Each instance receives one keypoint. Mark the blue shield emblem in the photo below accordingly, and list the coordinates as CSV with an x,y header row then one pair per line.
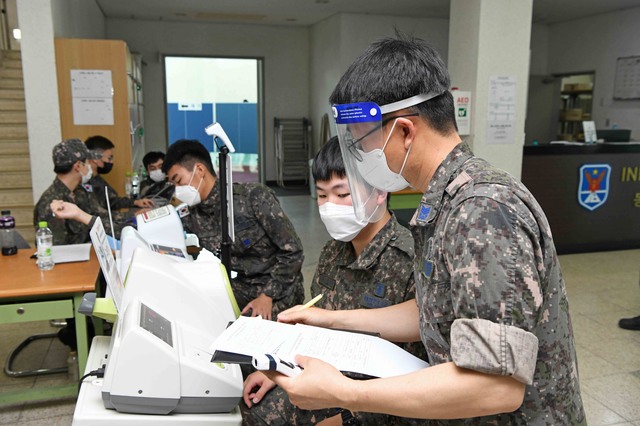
x,y
593,188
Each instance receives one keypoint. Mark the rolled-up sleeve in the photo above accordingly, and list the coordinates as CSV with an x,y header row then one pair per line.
x,y
493,254
485,346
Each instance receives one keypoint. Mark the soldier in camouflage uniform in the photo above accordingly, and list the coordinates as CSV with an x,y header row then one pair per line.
x,y
102,163
155,185
372,269
67,199
267,253
492,308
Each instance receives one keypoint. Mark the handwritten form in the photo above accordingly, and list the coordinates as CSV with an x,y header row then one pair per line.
x,y
347,351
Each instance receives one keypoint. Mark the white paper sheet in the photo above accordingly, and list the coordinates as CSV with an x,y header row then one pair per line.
x,y
71,253
353,352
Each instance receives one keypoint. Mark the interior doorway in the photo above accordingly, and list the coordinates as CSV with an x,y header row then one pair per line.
x,y
204,90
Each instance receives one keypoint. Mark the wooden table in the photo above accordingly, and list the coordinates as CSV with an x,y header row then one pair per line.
x,y
29,294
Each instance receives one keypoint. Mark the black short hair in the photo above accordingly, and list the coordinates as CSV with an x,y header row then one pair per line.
x,y
152,157
97,142
393,69
186,153
63,170
328,162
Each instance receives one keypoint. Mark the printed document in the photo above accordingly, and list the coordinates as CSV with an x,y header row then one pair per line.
x,y
345,350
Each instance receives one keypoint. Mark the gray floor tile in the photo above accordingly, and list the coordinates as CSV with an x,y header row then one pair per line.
x,y
597,413
620,393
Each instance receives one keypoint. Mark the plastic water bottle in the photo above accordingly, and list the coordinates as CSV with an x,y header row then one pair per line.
x,y
7,223
44,239
135,185
127,184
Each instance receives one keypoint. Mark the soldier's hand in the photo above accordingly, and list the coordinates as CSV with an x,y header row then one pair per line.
x,y
64,210
310,316
144,203
256,387
320,385
261,305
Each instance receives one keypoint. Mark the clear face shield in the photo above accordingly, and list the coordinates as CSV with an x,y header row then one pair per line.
x,y
363,142
369,203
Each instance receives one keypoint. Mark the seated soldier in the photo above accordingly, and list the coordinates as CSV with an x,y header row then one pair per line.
x,y
71,165
365,265
155,186
102,163
267,253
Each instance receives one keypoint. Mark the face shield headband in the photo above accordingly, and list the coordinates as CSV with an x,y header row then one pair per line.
x,y
359,127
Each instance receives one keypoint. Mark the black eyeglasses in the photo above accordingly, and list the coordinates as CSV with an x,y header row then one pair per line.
x,y
355,145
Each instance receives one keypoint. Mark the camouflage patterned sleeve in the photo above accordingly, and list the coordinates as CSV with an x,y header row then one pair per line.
x,y
64,231
87,203
286,271
490,246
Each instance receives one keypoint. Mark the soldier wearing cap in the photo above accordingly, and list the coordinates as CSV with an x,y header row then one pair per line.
x,y
65,199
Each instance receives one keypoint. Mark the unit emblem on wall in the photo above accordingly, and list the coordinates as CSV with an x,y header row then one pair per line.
x,y
593,188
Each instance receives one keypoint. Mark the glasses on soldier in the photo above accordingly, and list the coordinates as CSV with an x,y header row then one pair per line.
x,y
355,145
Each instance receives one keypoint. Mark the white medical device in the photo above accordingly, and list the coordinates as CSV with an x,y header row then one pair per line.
x,y
172,308
217,131
159,230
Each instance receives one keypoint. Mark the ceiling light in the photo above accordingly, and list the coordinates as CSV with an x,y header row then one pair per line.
x,y
17,34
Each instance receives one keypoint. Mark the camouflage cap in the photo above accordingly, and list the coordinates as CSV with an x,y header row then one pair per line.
x,y
69,151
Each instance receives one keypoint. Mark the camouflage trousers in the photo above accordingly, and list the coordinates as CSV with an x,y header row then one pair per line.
x,y
275,409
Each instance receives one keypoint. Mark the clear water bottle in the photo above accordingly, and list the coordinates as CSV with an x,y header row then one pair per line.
x,y
7,225
72,366
135,185
127,184
44,239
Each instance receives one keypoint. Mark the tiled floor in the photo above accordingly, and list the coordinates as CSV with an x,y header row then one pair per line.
x,y
602,287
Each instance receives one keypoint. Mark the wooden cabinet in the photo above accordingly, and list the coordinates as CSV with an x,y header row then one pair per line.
x,y
127,106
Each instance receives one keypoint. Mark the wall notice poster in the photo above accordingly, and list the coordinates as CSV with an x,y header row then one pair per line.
x,y
92,97
501,112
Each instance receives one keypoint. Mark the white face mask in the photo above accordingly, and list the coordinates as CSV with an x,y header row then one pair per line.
x,y
187,193
86,178
157,175
375,170
340,221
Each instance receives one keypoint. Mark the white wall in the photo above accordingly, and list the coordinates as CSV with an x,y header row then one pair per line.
x,y
594,44
339,40
539,50
325,71
286,66
40,21
77,19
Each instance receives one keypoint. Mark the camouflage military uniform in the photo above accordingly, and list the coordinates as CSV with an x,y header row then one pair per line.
x,y
151,189
97,184
266,254
64,231
490,291
88,201
381,276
